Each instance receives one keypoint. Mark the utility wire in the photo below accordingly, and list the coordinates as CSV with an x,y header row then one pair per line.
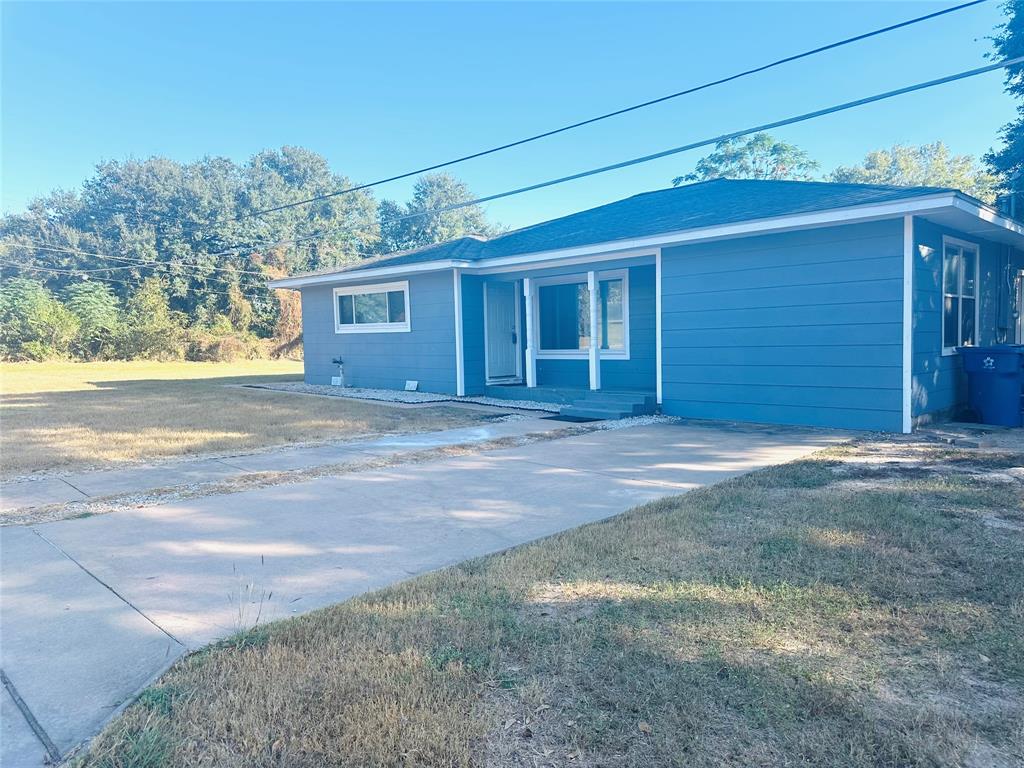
x,y
705,142
86,274
233,250
54,270
61,249
624,110
572,126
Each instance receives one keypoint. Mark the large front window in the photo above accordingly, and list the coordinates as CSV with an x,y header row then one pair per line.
x,y
563,315
372,308
959,294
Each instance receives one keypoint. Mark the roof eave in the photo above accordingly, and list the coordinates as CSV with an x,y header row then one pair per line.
x,y
916,205
348,276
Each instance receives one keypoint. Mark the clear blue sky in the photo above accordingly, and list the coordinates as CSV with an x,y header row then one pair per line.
x,y
385,87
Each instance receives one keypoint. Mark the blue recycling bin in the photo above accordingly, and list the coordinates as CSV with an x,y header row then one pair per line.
x,y
995,382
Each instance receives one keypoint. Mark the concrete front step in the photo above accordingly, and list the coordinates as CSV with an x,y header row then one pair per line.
x,y
611,405
593,412
642,400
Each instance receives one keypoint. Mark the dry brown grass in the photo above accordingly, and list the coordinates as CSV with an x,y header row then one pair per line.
x,y
80,415
789,617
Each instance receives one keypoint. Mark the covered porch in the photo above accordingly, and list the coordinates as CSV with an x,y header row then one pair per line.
x,y
566,334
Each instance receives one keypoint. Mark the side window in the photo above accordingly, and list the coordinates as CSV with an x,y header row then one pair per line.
x,y
959,295
372,308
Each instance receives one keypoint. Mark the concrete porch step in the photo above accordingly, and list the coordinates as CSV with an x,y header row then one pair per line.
x,y
594,412
640,399
611,405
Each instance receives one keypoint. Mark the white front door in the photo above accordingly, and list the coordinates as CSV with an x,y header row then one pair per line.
x,y
501,328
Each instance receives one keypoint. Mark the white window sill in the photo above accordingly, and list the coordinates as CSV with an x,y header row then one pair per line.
x,y
582,355
374,328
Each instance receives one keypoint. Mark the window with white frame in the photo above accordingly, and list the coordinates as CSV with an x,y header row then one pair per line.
x,y
563,315
959,294
372,308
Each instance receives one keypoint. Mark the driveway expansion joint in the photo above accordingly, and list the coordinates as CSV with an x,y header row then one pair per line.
x,y
40,732
72,486
109,588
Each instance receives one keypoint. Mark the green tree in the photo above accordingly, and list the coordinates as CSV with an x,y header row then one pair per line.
x,y
1007,162
151,330
99,319
929,165
760,156
431,191
33,324
199,227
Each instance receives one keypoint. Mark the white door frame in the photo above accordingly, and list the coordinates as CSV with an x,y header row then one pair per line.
x,y
518,377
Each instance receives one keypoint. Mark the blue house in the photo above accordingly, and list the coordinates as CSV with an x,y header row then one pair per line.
x,y
834,305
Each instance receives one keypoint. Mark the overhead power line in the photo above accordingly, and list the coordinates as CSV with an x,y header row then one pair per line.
x,y
134,261
88,276
623,111
233,250
704,142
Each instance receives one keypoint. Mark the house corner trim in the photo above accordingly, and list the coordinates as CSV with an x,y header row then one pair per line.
x,y
908,324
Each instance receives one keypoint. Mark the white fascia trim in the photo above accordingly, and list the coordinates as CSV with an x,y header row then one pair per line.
x,y
362,275
647,245
989,215
908,323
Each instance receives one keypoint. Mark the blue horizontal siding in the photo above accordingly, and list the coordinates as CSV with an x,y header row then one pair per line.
x,y
796,328
386,360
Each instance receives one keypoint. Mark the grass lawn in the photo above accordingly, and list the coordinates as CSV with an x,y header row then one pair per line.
x,y
78,415
861,608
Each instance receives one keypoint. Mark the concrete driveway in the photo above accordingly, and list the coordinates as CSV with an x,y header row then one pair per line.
x,y
94,609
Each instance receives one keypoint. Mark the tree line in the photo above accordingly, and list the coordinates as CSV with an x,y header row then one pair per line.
x,y
196,240
155,258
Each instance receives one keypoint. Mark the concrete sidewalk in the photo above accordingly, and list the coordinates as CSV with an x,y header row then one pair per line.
x,y
94,608
81,486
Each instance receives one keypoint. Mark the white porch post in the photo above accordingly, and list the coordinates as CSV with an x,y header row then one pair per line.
x,y
531,343
595,332
657,322
460,361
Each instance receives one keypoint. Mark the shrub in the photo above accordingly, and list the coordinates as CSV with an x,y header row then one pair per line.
x,y
33,324
100,322
151,330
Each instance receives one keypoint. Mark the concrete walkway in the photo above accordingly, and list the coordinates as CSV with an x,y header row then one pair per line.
x,y
81,486
94,609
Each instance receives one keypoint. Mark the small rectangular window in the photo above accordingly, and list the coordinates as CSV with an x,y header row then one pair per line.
x,y
372,308
959,294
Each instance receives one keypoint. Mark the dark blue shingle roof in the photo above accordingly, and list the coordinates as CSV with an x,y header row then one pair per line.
x,y
694,206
